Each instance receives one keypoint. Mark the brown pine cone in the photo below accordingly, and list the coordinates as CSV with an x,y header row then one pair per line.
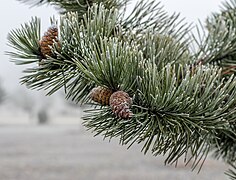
x,y
47,41
101,95
120,103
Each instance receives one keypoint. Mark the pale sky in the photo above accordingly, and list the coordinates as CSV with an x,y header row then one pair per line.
x,y
13,14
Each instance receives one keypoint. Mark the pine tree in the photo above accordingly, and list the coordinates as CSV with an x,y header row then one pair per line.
x,y
2,94
148,78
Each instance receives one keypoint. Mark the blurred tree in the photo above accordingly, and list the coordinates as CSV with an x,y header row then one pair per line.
x,y
42,116
2,94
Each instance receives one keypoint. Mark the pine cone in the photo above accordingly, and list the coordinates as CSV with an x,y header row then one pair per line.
x,y
101,95
48,40
120,103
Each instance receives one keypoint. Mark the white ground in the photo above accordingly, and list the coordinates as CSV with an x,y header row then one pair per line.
x,y
68,152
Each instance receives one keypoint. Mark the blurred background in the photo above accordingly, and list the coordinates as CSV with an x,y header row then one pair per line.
x,y
42,137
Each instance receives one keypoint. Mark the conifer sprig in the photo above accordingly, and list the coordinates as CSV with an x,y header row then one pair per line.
x,y
232,172
25,42
178,108
218,45
79,6
163,110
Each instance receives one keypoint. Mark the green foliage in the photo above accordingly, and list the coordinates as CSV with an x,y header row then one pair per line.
x,y
183,102
111,65
232,172
163,49
25,42
79,6
150,15
227,143
170,117
218,45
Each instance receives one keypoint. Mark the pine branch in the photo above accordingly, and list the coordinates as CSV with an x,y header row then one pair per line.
x,y
231,173
225,145
151,16
111,65
25,42
164,49
177,109
218,45
228,6
79,6
77,38
172,118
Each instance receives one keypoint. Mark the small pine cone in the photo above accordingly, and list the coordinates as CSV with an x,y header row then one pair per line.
x,y
120,103
101,95
47,41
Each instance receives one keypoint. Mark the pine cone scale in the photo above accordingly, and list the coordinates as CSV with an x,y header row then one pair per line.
x,y
101,95
50,37
120,103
